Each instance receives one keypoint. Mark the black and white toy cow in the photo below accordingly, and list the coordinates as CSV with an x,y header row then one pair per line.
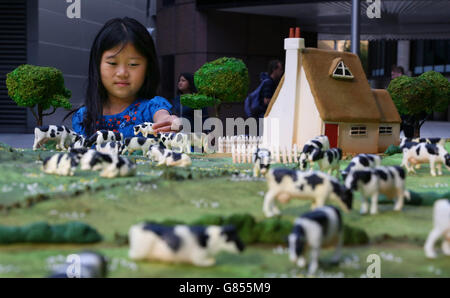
x,y
165,139
167,157
360,162
63,164
284,184
103,136
441,228
313,230
79,142
328,160
435,155
119,167
311,148
61,134
94,160
158,153
174,159
388,180
145,128
181,243
111,148
435,141
181,143
139,143
261,161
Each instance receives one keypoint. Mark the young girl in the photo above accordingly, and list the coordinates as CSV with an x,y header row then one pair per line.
x,y
122,83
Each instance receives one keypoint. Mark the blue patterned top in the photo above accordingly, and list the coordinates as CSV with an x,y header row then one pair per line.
x,y
141,110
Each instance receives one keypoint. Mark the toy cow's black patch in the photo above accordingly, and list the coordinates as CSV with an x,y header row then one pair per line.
x,y
432,149
141,141
52,133
60,128
200,235
60,156
120,162
400,171
279,174
117,136
314,180
176,156
166,233
300,241
381,174
364,161
43,128
319,217
317,143
231,235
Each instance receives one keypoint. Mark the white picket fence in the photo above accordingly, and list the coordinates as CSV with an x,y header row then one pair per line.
x,y
244,154
224,144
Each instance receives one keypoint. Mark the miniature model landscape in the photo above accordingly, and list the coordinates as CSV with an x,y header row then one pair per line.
x,y
212,187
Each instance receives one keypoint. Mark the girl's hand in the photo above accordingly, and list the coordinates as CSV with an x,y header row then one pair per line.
x,y
164,122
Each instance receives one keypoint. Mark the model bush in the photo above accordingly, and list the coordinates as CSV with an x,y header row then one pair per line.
x,y
224,80
42,232
38,88
416,98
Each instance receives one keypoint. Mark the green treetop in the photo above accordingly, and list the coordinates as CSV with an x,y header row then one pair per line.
x,y
224,80
416,98
38,87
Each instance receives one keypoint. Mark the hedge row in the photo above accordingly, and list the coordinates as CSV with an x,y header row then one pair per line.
x,y
42,232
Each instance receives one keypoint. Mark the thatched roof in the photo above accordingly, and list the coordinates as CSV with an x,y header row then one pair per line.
x,y
339,100
386,106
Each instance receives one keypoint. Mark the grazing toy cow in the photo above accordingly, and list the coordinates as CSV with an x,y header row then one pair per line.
x,y
313,147
436,155
321,227
139,143
181,243
360,162
284,184
119,167
441,227
53,132
145,128
103,136
63,164
389,181
328,160
261,161
111,148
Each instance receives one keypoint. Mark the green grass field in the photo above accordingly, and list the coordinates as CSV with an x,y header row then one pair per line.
x,y
112,205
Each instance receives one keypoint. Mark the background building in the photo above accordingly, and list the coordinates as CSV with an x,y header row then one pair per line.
x,y
412,33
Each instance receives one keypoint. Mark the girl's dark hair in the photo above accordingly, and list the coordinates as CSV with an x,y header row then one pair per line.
x,y
117,31
190,78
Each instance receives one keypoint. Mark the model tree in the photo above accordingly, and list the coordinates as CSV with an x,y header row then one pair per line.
x,y
416,98
224,80
39,88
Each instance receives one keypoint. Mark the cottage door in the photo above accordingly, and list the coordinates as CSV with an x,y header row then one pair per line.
x,y
331,131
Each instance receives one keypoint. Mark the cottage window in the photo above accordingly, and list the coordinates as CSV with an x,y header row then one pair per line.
x,y
342,72
359,130
385,130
